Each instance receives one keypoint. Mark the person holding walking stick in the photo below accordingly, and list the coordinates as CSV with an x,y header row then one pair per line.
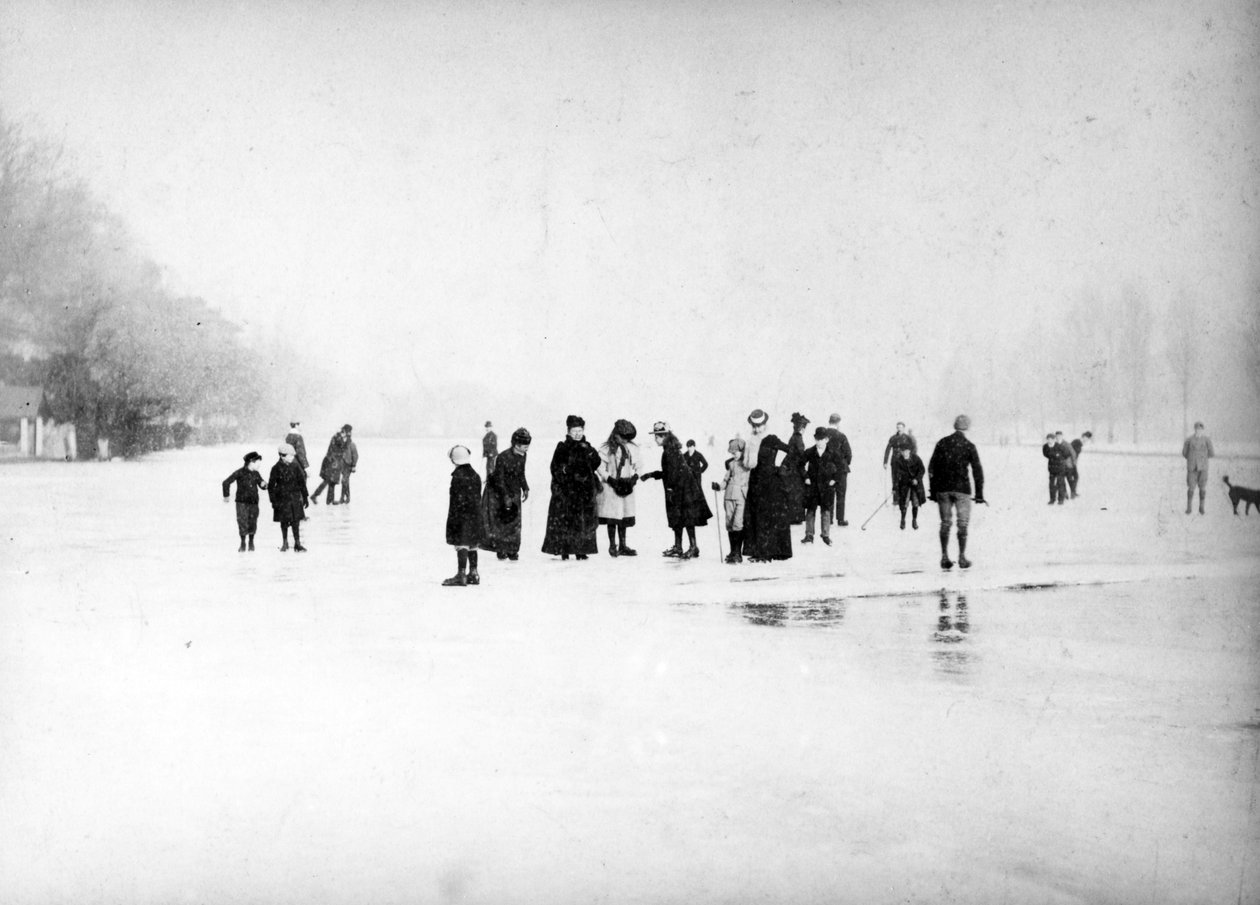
x,y
734,498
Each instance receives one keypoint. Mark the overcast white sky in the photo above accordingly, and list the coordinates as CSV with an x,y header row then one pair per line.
x,y
759,203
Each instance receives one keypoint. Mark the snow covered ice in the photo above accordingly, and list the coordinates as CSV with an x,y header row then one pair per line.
x,y
1073,720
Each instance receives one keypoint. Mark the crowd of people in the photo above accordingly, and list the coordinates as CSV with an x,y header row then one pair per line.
x,y
768,486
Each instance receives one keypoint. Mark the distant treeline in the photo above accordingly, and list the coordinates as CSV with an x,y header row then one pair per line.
x,y
85,315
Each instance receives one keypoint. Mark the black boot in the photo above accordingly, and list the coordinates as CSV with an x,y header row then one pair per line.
x,y
241,548
733,556
473,576
903,520
914,519
297,540
946,562
460,579
963,561
251,543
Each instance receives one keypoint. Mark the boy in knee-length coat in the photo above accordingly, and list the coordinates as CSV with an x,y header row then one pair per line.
x,y
463,518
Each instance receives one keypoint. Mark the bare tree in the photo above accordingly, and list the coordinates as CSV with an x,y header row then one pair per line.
x,y
1182,329
1135,350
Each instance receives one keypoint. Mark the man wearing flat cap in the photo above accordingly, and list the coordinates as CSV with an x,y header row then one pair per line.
x,y
950,487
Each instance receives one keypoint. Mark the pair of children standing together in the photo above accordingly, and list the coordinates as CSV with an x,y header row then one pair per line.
x,y
286,488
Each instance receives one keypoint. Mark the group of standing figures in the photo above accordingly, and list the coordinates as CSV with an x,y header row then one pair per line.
x,y
769,486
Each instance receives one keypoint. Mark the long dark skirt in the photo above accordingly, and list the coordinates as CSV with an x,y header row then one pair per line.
x,y
502,523
767,520
572,520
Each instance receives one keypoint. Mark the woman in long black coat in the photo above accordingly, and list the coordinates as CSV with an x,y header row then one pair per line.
x,y
506,489
685,506
572,517
794,469
767,519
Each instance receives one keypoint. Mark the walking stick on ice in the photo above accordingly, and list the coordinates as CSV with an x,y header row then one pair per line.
x,y
717,526
872,515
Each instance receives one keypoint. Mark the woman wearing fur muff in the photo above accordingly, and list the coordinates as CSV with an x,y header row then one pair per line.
x,y
767,519
685,506
571,515
506,490
619,467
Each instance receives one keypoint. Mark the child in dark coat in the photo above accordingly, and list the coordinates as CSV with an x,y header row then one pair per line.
x,y
463,518
695,461
247,480
287,488
907,477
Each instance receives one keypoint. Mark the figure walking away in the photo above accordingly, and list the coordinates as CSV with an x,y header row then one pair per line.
x,y
950,486
907,478
349,462
734,498
286,487
838,448
767,522
620,463
685,506
490,448
330,469
506,491
247,480
571,514
1197,450
820,486
1078,446
463,518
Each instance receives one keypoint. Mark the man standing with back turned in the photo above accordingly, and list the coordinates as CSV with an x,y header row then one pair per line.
x,y
950,487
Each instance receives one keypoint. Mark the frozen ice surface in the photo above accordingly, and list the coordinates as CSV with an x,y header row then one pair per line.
x,y
183,723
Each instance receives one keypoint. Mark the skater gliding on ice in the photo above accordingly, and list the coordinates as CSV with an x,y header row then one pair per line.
x,y
286,486
330,469
950,486
248,481
463,518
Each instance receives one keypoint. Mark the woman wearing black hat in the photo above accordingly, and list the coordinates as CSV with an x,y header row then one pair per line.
x,y
619,470
506,490
794,470
571,514
767,522
685,506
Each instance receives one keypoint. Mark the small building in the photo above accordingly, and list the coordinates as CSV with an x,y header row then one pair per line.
x,y
24,415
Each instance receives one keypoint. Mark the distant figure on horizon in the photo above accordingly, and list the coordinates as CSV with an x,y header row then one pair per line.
x,y
287,489
294,439
1197,450
1078,446
490,448
248,481
950,487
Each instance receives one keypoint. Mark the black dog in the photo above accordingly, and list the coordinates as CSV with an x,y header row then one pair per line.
x,y
1243,495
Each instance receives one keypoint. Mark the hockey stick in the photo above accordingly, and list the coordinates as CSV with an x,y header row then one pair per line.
x,y
882,504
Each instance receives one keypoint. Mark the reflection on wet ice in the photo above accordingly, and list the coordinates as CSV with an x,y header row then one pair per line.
x,y
954,655
812,612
